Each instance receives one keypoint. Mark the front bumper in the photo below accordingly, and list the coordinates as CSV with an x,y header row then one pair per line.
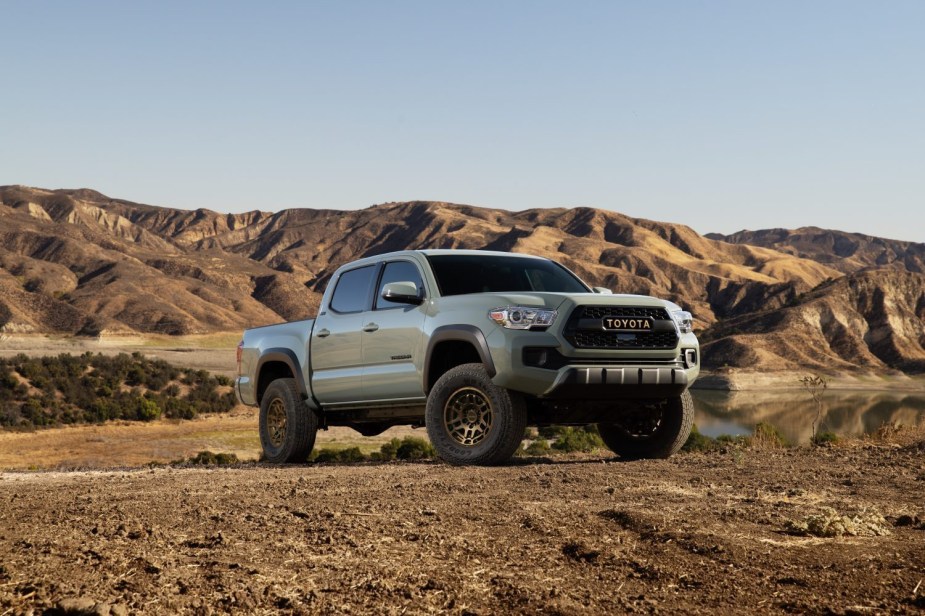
x,y
625,382
592,374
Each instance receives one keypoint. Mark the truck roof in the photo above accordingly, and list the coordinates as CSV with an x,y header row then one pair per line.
x,y
432,253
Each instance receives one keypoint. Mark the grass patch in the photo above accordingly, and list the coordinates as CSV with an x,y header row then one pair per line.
x,y
407,448
767,436
830,523
207,458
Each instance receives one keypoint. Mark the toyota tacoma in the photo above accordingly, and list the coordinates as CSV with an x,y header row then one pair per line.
x,y
475,346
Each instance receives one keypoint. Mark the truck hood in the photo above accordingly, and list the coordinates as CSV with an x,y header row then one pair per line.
x,y
550,301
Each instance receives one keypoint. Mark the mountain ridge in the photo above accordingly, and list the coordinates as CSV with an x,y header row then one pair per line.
x,y
79,262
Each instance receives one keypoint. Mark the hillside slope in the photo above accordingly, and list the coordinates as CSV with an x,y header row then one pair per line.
x,y
79,262
873,319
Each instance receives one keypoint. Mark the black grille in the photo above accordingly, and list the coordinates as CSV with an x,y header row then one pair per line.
x,y
583,336
599,312
619,340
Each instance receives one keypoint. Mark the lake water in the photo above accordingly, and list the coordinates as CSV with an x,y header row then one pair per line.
x,y
846,413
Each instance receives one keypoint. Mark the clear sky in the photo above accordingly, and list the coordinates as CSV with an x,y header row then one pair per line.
x,y
719,115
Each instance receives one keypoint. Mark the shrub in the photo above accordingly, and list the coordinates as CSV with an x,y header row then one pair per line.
x,y
699,442
539,447
578,439
767,436
207,458
349,455
415,448
389,451
824,438
146,410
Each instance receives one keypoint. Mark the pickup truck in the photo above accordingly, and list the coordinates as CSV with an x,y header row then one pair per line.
x,y
476,346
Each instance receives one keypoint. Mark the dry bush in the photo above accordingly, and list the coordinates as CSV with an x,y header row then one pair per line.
x,y
766,437
830,523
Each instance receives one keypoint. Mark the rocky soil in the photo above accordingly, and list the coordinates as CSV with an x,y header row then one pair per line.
x,y
694,534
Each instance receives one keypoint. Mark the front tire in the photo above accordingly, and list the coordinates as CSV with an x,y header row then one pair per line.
x,y
651,433
287,425
472,421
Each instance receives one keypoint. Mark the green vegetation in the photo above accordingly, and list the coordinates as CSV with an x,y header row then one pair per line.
x,y
585,439
700,442
824,438
88,388
767,436
408,448
550,440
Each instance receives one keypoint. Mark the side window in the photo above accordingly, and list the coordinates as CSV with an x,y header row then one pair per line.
x,y
352,291
397,271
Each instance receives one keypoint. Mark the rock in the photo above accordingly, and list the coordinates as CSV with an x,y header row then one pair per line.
x,y
81,606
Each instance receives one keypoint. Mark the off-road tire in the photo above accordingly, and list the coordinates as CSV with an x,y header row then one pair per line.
x,y
292,439
677,419
468,389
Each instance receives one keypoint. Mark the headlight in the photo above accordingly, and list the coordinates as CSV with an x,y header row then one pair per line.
x,y
520,317
684,321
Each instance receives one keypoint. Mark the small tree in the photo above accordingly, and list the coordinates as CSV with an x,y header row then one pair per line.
x,y
816,387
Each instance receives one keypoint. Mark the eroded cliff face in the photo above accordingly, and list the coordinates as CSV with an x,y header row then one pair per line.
x,y
105,264
871,319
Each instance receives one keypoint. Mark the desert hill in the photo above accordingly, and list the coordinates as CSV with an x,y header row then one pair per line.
x,y
872,319
846,252
76,261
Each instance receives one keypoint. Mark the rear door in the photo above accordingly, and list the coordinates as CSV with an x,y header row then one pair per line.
x,y
392,339
337,344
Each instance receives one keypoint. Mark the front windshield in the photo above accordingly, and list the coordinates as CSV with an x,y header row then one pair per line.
x,y
462,274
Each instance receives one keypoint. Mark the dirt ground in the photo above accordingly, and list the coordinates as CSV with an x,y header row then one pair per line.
x,y
588,534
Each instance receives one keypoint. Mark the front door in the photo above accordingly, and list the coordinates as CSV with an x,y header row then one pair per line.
x,y
392,341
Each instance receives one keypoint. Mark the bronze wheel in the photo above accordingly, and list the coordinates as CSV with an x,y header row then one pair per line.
x,y
287,425
470,420
467,416
276,422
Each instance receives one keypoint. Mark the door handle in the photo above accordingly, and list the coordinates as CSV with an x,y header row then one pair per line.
x,y
370,327
323,333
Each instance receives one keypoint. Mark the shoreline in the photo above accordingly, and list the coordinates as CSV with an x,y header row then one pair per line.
x,y
736,380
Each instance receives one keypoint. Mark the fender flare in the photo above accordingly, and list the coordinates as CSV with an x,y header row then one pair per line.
x,y
286,356
459,333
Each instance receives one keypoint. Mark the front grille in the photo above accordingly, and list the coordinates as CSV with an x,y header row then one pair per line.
x,y
620,340
583,335
599,312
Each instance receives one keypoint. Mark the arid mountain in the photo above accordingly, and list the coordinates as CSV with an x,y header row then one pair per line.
x,y
846,252
873,319
76,261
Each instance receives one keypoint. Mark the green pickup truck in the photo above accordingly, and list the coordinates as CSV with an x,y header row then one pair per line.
x,y
476,346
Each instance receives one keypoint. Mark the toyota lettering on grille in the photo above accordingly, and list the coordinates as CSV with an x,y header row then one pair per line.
x,y
631,324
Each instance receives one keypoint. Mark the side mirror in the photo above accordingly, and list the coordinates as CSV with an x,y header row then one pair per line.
x,y
402,293
602,291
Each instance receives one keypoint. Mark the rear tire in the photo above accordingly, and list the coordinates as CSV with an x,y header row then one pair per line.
x,y
658,433
287,425
470,420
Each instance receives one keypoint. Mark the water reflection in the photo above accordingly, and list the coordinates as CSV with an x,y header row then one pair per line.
x,y
847,413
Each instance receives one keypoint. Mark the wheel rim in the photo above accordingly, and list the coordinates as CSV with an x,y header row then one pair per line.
x,y
467,416
642,424
276,422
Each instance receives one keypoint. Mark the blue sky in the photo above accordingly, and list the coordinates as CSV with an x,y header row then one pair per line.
x,y
719,115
